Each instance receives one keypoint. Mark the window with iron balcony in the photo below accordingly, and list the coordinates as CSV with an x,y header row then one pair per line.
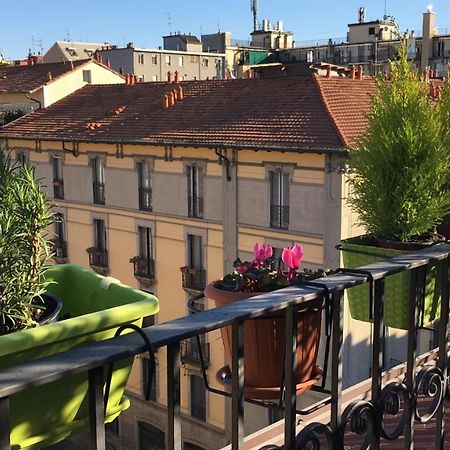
x,y
195,191
194,275
58,183
98,175
59,244
98,254
144,264
197,398
145,190
279,199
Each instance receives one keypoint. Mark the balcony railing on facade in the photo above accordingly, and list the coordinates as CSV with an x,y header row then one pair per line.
x,y
98,260
279,216
145,199
59,248
195,207
195,352
99,193
388,396
193,279
144,269
58,189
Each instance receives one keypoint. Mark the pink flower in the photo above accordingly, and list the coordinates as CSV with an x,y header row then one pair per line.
x,y
241,269
292,256
262,252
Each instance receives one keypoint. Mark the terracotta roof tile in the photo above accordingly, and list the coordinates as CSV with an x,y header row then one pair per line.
x,y
297,113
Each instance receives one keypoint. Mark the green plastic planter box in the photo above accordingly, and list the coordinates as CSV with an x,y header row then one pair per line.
x,y
361,251
93,308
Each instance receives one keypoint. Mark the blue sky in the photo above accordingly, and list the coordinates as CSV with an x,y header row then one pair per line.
x,y
145,21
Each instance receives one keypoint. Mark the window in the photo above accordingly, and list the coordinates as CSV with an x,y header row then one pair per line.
x,y
141,58
189,446
146,373
279,199
198,398
155,60
275,414
195,191
193,275
150,437
100,235
205,62
113,427
440,48
141,78
58,185
154,77
145,191
145,242
371,31
22,158
180,61
167,59
87,76
195,252
98,174
195,58
59,240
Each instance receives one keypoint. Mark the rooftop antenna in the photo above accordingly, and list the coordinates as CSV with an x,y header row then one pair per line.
x,y
67,36
169,22
254,9
361,14
36,44
385,17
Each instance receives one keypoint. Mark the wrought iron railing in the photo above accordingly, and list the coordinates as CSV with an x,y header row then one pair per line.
x,y
195,207
193,279
98,258
99,193
363,417
144,268
145,199
191,353
279,216
59,248
58,189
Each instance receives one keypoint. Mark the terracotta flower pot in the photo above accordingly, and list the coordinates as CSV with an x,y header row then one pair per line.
x,y
264,344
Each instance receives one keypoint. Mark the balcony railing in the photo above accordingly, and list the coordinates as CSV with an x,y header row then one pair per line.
x,y
195,207
391,397
58,189
59,248
145,199
279,216
99,193
98,260
190,353
144,268
193,279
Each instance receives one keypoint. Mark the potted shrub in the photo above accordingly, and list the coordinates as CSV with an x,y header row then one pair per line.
x,y
399,185
264,342
93,308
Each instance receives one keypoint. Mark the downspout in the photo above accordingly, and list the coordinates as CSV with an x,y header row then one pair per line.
x,y
227,162
34,100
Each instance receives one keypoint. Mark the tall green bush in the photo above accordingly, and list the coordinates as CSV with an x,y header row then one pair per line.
x,y
401,166
25,215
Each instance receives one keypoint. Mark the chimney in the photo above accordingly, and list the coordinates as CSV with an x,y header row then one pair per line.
x,y
180,93
428,32
49,76
71,65
176,79
328,71
169,76
166,102
360,73
108,63
99,58
135,79
353,73
171,99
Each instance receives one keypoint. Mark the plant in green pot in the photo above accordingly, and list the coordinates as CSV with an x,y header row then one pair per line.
x,y
399,186
93,307
264,342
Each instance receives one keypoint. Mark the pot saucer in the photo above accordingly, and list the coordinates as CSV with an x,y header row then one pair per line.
x,y
223,377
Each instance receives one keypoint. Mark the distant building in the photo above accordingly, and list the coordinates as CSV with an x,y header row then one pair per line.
x,y
62,51
155,64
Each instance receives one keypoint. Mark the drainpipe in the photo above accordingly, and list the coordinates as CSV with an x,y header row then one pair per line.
x,y
34,100
227,162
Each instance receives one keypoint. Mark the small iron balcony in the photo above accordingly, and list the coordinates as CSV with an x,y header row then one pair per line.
x,y
98,260
144,269
190,353
58,189
145,199
59,248
279,216
193,279
99,193
195,207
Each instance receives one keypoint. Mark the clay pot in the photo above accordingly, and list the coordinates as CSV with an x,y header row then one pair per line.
x,y
264,346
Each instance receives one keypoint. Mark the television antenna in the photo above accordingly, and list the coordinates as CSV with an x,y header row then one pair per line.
x,y
169,22
36,44
254,10
385,17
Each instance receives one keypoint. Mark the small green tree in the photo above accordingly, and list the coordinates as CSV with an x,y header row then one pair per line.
x,y
401,166
25,215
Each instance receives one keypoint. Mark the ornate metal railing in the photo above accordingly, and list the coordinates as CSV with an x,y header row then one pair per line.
x,y
59,248
192,354
99,193
145,199
144,268
279,216
98,258
364,418
193,279
195,207
58,189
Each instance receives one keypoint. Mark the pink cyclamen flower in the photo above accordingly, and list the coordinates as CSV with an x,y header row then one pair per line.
x,y
292,256
262,252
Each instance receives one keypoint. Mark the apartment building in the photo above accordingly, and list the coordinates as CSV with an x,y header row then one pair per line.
x,y
181,53
145,186
65,51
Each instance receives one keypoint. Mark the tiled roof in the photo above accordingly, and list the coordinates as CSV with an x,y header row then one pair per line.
x,y
298,113
29,78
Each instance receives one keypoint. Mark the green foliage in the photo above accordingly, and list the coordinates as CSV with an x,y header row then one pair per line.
x,y
25,215
9,116
401,182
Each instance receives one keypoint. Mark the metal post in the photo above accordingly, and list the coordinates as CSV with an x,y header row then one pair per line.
x,y
290,377
378,349
443,350
411,357
237,394
336,366
5,426
96,409
173,397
